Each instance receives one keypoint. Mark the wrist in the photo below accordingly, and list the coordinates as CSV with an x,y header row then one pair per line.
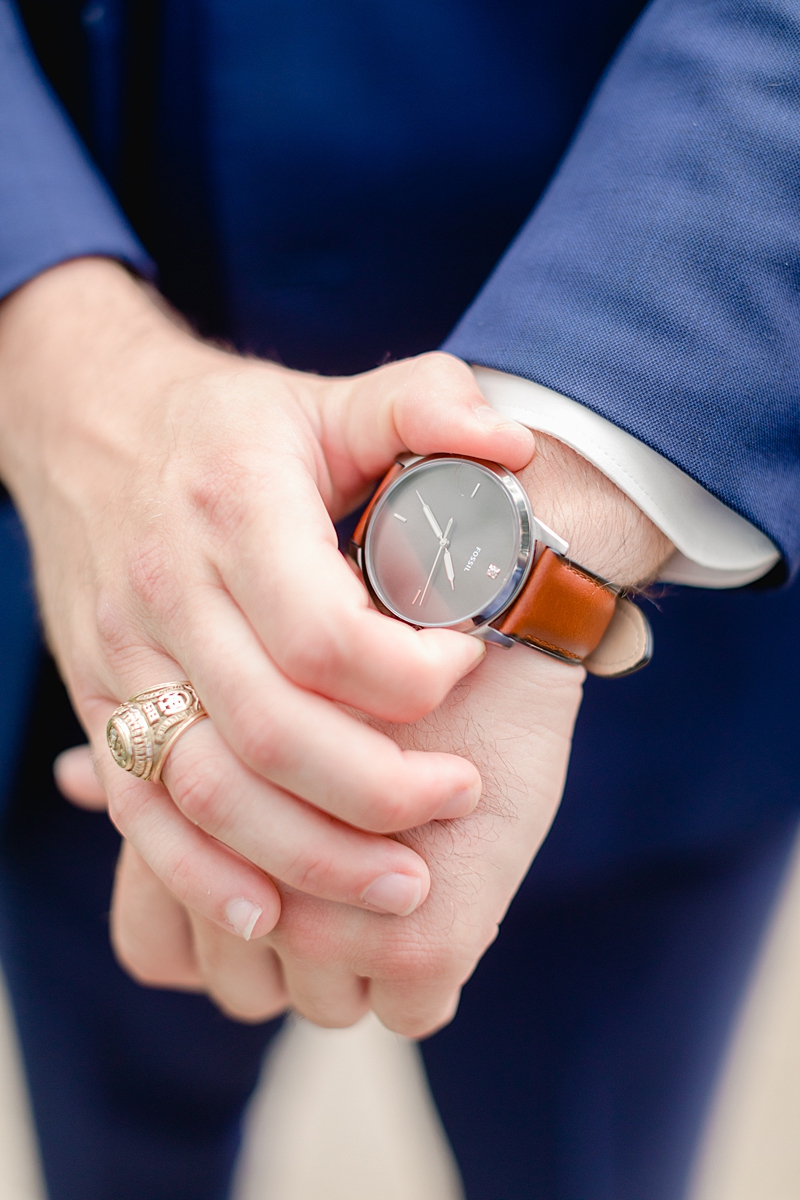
x,y
77,345
607,533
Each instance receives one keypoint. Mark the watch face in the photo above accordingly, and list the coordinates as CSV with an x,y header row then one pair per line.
x,y
448,542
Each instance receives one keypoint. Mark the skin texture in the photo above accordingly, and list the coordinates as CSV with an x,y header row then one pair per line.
x,y
179,501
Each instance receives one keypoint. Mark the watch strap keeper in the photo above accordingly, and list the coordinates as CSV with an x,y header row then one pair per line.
x,y
626,646
566,611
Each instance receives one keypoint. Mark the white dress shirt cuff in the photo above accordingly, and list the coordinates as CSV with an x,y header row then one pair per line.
x,y
714,546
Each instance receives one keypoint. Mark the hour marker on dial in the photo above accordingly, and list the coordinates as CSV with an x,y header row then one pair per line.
x,y
474,490
492,571
403,519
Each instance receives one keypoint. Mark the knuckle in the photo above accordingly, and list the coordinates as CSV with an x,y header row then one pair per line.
x,y
424,1024
423,695
179,875
145,968
248,1010
330,1016
307,934
133,962
439,367
116,633
415,963
124,805
263,743
199,793
420,682
388,812
311,875
311,660
217,496
150,574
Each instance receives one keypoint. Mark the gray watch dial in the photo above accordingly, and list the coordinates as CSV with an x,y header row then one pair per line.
x,y
447,542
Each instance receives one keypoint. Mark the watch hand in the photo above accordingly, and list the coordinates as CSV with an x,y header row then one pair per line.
x,y
448,568
434,524
442,546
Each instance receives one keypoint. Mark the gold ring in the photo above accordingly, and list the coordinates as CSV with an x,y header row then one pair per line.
x,y
143,730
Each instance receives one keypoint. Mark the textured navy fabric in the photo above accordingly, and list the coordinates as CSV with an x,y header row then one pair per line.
x,y
53,204
20,644
657,281
371,160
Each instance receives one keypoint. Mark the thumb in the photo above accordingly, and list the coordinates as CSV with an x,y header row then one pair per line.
x,y
75,778
430,404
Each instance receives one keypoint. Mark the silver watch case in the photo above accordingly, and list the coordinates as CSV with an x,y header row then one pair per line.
x,y
534,537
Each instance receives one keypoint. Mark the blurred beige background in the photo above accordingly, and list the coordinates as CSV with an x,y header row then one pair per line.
x,y
346,1114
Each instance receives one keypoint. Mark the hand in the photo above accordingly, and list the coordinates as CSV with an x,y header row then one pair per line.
x,y
332,963
179,501
516,714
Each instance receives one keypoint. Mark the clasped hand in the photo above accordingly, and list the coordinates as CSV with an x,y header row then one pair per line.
x,y
180,503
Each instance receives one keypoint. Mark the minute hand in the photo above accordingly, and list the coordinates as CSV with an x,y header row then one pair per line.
x,y
434,524
442,546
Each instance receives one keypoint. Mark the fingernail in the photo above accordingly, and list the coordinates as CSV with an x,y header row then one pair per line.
x,y
494,420
460,804
398,894
242,915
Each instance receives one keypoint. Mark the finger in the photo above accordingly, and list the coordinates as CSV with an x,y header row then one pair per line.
x,y
200,872
326,992
414,1009
310,747
318,949
298,844
314,618
203,874
150,931
413,979
244,979
292,736
288,577
215,794
76,779
429,404
285,837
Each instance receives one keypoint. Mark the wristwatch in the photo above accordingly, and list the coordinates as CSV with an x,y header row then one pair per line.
x,y
450,542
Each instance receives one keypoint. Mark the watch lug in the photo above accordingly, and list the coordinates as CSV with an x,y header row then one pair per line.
x,y
405,460
488,634
543,533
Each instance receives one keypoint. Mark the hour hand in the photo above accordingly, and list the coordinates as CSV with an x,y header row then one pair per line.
x,y
434,524
448,569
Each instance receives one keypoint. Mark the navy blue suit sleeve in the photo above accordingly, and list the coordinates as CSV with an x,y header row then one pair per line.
x,y
53,203
657,280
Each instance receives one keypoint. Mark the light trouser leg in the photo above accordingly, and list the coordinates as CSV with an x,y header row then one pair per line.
x,y
137,1094
586,1048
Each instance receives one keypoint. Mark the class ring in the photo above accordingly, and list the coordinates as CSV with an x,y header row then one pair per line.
x,y
142,731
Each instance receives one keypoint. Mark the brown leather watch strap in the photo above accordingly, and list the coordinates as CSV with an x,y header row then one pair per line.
x,y
359,533
562,609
